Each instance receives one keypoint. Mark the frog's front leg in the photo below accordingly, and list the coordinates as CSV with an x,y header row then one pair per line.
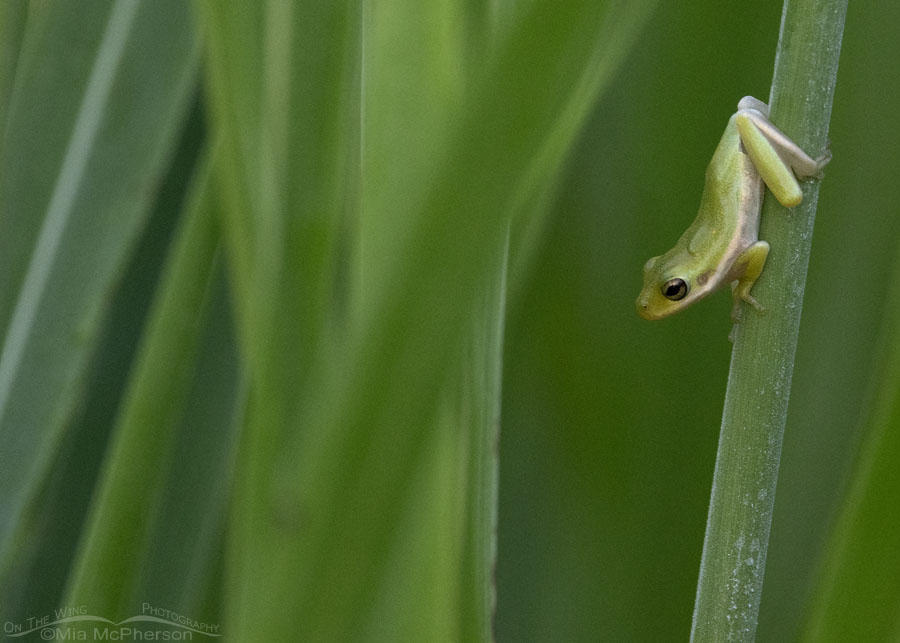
x,y
748,267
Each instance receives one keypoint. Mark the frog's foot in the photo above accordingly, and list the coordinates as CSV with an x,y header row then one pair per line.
x,y
822,161
741,292
750,299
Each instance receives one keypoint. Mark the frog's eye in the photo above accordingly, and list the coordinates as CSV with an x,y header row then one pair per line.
x,y
675,289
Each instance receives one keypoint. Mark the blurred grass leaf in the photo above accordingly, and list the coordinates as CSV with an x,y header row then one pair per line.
x,y
39,576
166,460
72,206
447,152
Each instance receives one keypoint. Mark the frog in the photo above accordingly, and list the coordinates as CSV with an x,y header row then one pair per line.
x,y
722,245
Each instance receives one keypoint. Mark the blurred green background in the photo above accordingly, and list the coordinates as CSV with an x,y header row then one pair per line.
x,y
266,401
610,422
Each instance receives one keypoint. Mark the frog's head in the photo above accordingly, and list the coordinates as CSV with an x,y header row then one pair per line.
x,y
669,286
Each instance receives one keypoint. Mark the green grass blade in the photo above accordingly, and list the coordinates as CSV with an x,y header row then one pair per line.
x,y
445,562
184,548
363,431
284,87
233,51
331,464
480,414
141,468
762,363
36,582
92,80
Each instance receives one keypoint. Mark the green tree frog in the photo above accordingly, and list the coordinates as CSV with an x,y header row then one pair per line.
x,y
722,245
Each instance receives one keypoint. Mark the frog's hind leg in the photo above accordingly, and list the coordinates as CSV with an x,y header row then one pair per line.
x,y
776,157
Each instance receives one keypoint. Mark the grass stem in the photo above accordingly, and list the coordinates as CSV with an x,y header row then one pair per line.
x,y
762,361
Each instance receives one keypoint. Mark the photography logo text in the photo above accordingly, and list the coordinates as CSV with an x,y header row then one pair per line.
x,y
78,623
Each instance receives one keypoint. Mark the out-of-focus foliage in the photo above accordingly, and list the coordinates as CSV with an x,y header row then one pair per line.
x,y
290,433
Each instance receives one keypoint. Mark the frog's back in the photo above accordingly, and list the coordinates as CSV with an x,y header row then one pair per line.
x,y
728,220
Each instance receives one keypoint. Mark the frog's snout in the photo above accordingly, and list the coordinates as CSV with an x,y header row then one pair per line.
x,y
643,307
647,309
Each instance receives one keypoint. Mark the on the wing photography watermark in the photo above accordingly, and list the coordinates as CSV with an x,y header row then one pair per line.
x,y
78,624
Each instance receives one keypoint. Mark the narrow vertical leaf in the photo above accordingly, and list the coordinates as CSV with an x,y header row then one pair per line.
x,y
118,535
762,361
92,79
